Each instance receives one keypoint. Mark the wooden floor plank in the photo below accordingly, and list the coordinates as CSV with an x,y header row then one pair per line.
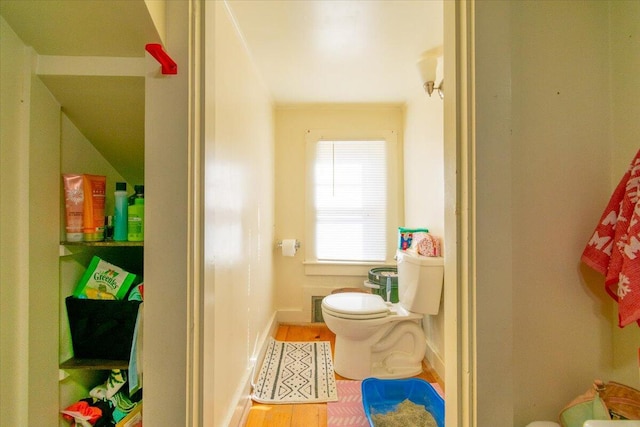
x,y
282,332
322,415
326,335
307,415
303,333
279,415
256,415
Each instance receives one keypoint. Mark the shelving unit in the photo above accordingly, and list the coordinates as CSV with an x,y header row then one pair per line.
x,y
80,374
88,61
94,364
106,244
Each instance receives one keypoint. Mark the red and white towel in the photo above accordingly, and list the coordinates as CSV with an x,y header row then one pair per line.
x,y
614,248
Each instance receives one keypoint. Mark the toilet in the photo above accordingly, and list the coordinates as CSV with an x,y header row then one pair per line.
x,y
379,339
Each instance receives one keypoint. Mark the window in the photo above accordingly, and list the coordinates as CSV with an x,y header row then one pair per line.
x,y
351,199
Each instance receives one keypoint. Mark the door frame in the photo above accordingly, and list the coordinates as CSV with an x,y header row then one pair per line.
x,y
459,152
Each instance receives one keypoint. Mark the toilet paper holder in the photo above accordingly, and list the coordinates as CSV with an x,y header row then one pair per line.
x,y
297,245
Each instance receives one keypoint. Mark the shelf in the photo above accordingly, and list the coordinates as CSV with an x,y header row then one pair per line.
x,y
103,244
95,364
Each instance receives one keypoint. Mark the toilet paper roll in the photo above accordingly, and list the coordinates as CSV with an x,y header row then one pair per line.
x,y
288,247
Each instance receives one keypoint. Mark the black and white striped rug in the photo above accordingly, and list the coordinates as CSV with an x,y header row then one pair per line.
x,y
296,372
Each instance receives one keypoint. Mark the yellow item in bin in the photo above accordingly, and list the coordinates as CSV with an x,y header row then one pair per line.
x,y
100,293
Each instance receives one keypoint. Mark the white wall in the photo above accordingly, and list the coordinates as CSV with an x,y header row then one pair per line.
x,y
44,190
544,174
557,190
424,193
294,287
30,225
170,240
493,264
239,297
423,164
13,248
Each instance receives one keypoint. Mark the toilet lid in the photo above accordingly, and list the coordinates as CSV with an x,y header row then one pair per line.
x,y
355,305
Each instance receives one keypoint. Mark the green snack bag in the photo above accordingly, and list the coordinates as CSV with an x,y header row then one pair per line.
x,y
103,280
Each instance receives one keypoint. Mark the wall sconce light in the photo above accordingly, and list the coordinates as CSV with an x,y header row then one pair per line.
x,y
427,66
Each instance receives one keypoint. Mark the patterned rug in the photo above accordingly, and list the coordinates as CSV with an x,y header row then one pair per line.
x,y
296,372
348,410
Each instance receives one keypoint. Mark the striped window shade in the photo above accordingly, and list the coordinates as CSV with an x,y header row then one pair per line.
x,y
350,200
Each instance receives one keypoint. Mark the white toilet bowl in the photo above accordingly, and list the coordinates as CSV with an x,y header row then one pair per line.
x,y
374,338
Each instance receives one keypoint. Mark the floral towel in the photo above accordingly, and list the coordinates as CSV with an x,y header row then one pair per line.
x,y
614,248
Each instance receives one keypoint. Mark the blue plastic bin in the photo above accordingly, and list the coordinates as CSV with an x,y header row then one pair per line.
x,y
381,396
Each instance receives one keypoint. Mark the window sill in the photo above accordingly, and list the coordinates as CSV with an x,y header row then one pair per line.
x,y
334,268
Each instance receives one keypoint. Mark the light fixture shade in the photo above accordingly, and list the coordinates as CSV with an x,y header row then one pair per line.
x,y
427,65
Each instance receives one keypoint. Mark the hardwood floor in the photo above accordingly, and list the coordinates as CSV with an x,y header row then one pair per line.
x,y
313,414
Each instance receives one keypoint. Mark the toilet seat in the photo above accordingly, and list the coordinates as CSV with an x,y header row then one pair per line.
x,y
355,305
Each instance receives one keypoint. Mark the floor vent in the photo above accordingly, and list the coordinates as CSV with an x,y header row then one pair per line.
x,y
316,309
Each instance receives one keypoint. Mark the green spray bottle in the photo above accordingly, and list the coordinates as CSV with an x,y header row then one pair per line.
x,y
136,216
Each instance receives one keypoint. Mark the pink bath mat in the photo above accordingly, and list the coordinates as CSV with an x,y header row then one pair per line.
x,y
348,410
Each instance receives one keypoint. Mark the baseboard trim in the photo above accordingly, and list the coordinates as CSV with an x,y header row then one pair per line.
x,y
243,406
434,360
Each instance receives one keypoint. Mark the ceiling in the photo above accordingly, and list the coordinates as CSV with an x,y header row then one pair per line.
x,y
332,51
313,51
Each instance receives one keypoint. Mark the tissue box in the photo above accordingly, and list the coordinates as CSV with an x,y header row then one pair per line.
x,y
102,329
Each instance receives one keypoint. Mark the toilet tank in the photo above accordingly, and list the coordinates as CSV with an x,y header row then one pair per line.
x,y
420,282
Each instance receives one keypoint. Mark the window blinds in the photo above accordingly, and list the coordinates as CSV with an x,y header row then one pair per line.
x,y
350,200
